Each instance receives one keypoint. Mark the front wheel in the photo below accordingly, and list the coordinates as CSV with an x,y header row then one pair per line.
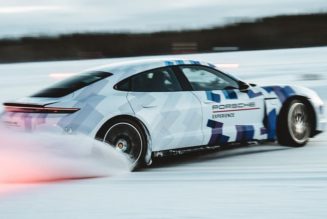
x,y
294,125
127,137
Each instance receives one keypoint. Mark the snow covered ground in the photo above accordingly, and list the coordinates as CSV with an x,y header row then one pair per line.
x,y
266,181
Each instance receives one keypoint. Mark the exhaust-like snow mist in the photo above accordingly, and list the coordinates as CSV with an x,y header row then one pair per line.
x,y
263,181
25,157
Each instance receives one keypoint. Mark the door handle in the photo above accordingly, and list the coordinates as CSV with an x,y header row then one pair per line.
x,y
149,106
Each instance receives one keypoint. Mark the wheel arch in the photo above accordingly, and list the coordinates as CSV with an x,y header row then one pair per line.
x,y
306,101
100,134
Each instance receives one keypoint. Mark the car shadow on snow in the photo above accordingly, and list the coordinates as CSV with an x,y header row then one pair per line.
x,y
210,155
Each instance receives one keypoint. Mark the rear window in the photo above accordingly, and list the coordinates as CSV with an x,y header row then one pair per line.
x,y
71,84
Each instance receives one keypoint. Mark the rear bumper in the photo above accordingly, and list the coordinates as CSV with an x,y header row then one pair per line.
x,y
59,123
33,122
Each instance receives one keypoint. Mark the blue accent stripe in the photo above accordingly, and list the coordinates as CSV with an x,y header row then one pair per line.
x,y
263,131
213,97
217,137
244,133
195,62
249,132
282,92
271,126
268,89
252,94
289,91
230,94
169,63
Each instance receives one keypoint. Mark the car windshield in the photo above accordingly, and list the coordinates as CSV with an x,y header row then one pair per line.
x,y
71,84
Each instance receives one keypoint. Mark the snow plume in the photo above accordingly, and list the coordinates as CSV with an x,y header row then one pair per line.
x,y
31,157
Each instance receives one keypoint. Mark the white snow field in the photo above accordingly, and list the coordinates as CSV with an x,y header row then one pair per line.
x,y
262,181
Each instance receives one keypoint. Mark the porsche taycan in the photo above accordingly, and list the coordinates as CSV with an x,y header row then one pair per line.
x,y
152,108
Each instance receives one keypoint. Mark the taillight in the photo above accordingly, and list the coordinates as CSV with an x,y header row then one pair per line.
x,y
26,108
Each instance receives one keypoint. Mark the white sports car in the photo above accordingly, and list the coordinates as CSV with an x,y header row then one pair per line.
x,y
153,108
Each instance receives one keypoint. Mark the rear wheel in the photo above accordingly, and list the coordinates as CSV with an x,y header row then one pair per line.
x,y
294,125
127,137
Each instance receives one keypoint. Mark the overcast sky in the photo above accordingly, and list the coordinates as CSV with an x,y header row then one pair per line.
x,y
33,17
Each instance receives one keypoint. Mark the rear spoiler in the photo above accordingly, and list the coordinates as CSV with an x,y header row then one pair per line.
x,y
34,108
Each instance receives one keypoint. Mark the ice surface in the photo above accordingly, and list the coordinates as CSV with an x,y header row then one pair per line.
x,y
267,181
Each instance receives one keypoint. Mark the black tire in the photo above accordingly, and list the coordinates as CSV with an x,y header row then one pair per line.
x,y
128,137
294,124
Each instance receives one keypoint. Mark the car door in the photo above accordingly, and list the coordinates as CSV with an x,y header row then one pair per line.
x,y
229,114
172,116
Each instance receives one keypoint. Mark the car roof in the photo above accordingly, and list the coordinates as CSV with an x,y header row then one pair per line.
x,y
133,67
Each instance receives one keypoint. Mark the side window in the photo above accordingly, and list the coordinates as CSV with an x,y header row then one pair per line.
x,y
124,85
204,78
157,80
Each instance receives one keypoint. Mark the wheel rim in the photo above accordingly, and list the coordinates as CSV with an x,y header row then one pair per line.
x,y
298,123
126,139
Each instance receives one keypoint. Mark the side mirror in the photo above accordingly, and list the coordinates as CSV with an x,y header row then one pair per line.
x,y
243,87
